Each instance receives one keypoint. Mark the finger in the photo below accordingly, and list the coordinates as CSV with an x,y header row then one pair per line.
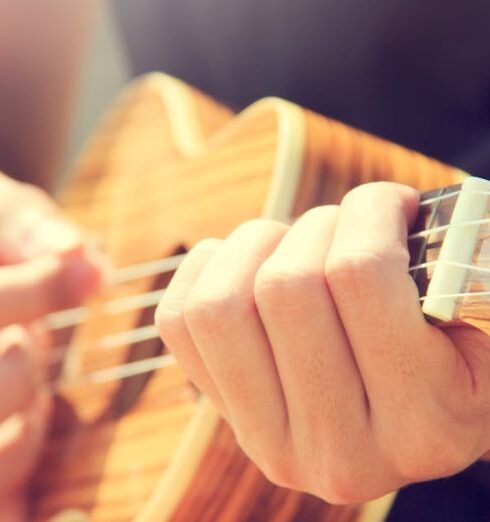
x,y
21,439
323,389
367,272
31,224
221,315
31,289
20,374
171,324
30,232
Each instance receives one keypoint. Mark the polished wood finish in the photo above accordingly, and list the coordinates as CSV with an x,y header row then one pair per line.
x,y
168,167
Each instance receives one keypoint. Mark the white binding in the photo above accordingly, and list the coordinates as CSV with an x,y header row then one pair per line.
x,y
177,99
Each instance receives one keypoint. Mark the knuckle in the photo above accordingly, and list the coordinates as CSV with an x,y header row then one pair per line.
x,y
315,213
272,454
254,224
338,490
257,228
355,272
276,465
169,319
363,191
351,273
207,245
368,191
278,471
281,286
209,311
340,484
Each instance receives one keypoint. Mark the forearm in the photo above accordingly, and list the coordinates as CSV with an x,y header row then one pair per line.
x,y
41,49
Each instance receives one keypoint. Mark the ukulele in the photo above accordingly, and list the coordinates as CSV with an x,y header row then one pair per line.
x,y
132,439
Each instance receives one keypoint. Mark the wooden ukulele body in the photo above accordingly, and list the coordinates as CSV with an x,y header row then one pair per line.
x,y
169,167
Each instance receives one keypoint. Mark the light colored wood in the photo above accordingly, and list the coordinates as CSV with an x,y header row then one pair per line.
x,y
169,167
175,481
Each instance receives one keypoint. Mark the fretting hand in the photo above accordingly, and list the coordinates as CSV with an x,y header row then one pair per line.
x,y
311,342
44,266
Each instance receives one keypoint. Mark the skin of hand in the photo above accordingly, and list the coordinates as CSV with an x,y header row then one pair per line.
x,y
45,265
311,342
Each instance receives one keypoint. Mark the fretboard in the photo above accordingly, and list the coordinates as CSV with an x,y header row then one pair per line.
x,y
450,252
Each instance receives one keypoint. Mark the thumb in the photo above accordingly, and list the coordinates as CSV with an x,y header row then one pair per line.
x,y
44,284
33,231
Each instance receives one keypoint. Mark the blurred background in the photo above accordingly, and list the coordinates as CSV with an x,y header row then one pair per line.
x,y
105,71
416,73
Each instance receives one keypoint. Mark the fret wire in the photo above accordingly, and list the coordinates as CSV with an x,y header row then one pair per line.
x,y
117,373
422,251
439,198
443,228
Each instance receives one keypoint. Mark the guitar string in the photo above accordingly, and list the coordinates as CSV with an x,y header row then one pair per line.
x,y
445,228
441,197
116,373
109,342
150,364
148,268
483,293
466,266
146,333
75,316
450,195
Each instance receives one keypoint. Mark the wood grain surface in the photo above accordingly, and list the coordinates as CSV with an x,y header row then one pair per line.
x,y
168,167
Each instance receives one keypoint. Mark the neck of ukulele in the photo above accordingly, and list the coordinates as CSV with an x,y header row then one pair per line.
x,y
448,253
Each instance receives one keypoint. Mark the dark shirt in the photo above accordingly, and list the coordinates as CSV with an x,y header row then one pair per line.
x,y
416,72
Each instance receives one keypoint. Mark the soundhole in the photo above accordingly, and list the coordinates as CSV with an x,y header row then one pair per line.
x,y
131,388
